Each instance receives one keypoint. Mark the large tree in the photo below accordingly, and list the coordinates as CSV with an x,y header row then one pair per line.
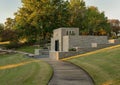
x,y
1,30
36,19
9,24
40,17
1,27
77,10
95,22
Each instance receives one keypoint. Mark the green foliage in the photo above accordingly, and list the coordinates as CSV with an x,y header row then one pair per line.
x,y
95,21
1,30
9,23
9,35
77,11
37,19
1,27
72,49
29,49
12,45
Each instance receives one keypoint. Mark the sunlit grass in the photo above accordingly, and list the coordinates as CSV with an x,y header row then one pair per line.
x,y
17,64
20,70
103,66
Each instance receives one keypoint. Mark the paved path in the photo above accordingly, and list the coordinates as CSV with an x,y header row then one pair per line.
x,y
68,74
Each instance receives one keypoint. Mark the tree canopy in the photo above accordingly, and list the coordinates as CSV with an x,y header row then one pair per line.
x,y
36,19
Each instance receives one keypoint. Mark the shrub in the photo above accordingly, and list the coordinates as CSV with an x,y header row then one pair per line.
x,y
72,49
12,45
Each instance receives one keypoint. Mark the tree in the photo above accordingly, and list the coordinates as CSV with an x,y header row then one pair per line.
x,y
36,19
115,25
9,35
95,21
24,25
1,27
39,19
1,30
9,23
77,10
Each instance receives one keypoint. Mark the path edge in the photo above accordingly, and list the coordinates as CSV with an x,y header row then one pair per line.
x,y
92,80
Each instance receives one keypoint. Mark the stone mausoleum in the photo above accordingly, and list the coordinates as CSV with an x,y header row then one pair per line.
x,y
65,39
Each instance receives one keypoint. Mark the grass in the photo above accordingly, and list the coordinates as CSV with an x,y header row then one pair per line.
x,y
31,73
103,66
29,49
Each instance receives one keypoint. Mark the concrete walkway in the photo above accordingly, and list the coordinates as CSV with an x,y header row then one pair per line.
x,y
66,73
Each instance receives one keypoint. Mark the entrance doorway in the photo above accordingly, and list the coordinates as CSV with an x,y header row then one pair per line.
x,y
56,45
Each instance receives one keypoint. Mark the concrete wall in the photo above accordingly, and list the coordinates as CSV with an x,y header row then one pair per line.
x,y
57,36
52,44
65,43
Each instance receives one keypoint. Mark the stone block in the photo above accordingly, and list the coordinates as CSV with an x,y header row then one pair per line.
x,y
94,45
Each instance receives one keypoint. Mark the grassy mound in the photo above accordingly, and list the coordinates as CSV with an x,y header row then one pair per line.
x,y
104,66
15,69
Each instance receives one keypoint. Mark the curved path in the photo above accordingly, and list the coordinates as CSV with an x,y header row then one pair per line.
x,y
66,73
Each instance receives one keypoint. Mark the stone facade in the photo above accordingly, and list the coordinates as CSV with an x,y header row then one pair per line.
x,y
68,38
58,35
86,41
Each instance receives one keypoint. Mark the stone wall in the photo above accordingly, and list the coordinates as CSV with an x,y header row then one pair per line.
x,y
86,41
60,55
41,52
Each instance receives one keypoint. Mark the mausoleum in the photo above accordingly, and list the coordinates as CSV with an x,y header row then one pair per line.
x,y
65,39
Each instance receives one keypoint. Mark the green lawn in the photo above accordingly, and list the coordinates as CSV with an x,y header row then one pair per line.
x,y
33,73
29,49
104,66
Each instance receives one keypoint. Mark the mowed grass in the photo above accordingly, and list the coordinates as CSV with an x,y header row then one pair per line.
x,y
29,49
35,72
104,66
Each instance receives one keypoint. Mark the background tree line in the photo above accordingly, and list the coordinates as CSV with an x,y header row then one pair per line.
x,y
36,19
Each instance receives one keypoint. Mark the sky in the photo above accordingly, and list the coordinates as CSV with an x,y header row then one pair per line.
x,y
8,8
110,7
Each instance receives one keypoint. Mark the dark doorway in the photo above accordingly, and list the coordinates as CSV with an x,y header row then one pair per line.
x,y
56,45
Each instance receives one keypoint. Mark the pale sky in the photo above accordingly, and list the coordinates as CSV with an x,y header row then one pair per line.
x,y
110,7
7,8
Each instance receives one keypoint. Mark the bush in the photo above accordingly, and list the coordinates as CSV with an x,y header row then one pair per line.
x,y
72,49
12,45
